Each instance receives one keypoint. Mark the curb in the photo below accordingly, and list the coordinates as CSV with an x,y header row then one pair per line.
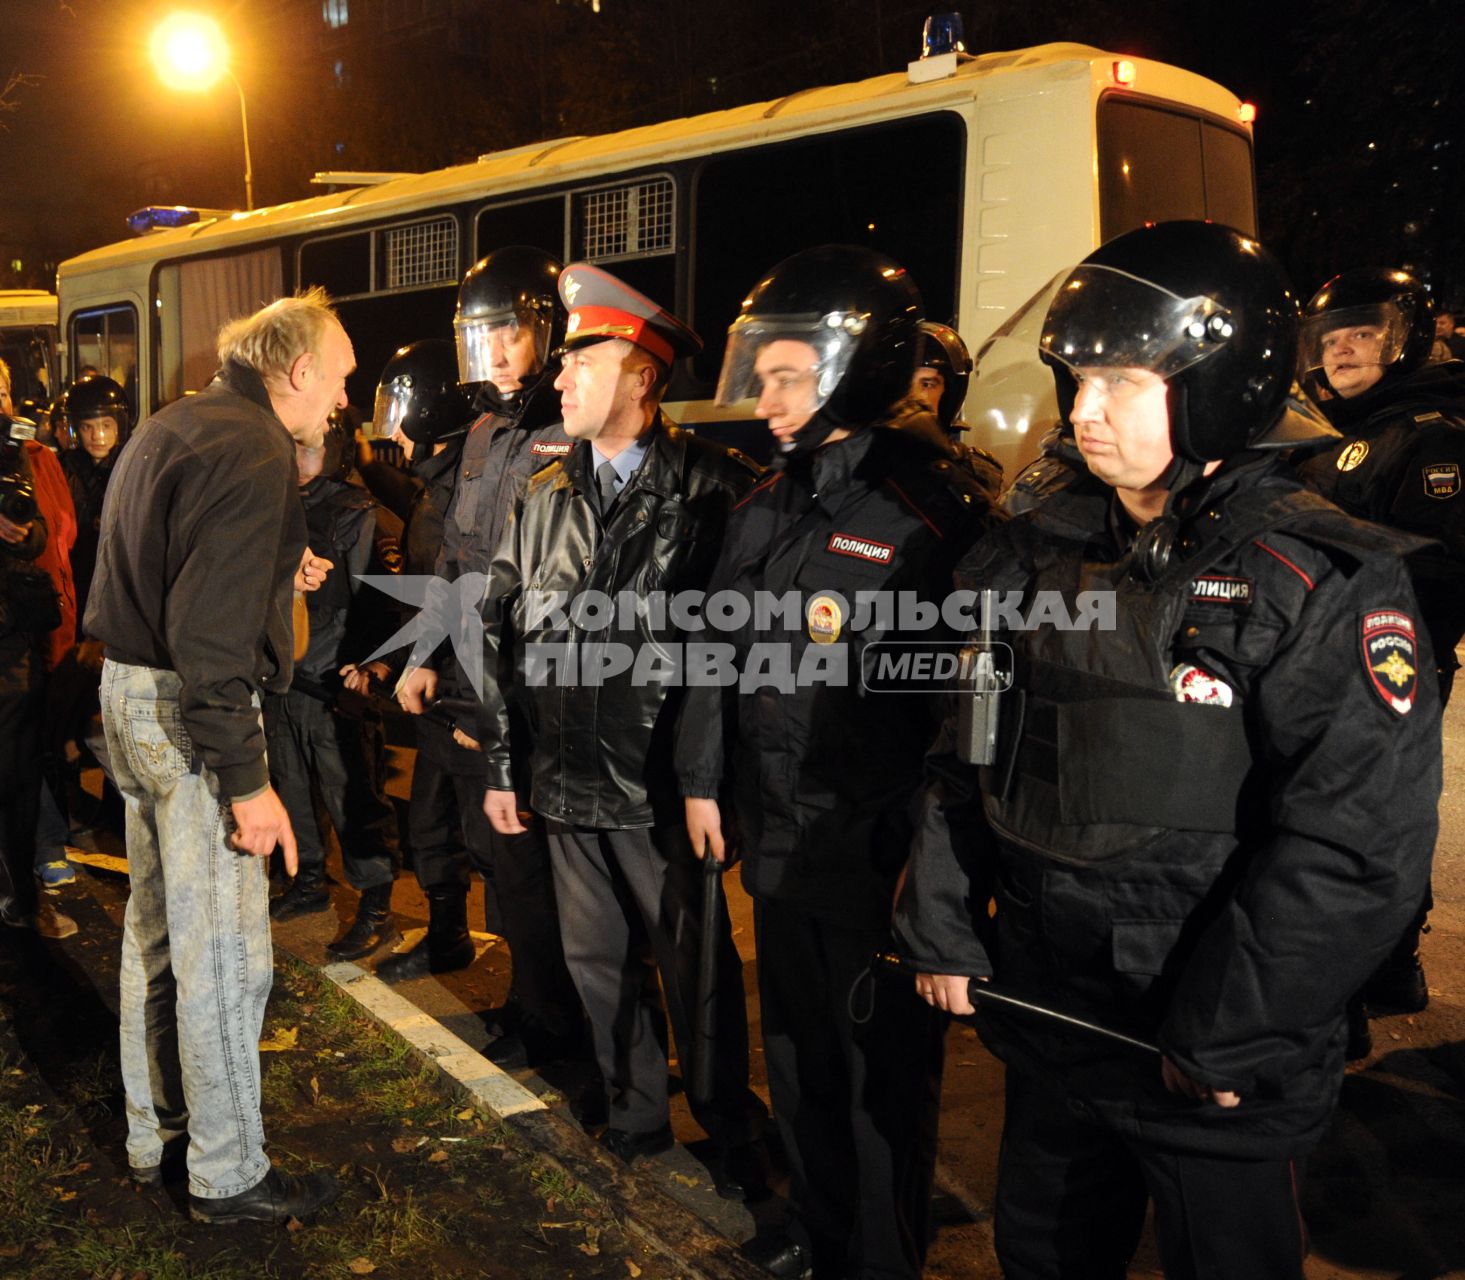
x,y
632,1196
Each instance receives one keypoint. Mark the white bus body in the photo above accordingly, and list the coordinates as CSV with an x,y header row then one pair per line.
x,y
983,182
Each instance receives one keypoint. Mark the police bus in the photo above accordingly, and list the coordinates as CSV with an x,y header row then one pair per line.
x,y
983,175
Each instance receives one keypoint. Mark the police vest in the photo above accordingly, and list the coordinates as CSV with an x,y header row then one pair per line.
x,y
1098,759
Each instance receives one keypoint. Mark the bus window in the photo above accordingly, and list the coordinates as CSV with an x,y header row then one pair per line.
x,y
1157,164
378,325
896,188
339,264
630,228
540,223
196,298
105,339
30,356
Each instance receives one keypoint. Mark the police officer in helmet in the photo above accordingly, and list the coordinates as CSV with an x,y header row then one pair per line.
x,y
809,779
1366,343
943,373
509,321
1207,811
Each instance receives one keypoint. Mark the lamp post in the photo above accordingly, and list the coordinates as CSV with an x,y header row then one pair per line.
x,y
190,53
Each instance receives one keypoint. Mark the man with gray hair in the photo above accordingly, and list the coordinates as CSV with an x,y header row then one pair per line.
x,y
203,537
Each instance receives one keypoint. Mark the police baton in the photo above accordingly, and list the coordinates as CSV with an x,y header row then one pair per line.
x,y
889,964
704,1039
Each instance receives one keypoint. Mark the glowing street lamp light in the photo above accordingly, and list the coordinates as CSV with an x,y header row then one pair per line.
x,y
190,54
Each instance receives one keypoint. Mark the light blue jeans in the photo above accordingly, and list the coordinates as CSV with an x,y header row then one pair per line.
x,y
196,958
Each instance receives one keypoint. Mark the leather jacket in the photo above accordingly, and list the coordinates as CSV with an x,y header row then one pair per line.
x,y
602,751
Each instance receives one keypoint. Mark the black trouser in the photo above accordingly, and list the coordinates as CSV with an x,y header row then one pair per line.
x,y
629,906
1071,1199
450,833
345,759
856,1102
20,776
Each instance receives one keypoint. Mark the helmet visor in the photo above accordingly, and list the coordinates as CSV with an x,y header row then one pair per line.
x,y
802,356
393,399
1371,334
1108,319
488,344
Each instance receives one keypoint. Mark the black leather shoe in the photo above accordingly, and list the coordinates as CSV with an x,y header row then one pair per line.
x,y
780,1255
306,893
276,1199
737,1173
372,928
630,1147
531,1046
173,1168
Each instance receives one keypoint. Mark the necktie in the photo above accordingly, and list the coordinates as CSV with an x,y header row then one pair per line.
x,y
605,480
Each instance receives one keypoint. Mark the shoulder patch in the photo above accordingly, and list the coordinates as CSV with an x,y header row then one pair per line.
x,y
1353,455
1391,658
1441,479
551,448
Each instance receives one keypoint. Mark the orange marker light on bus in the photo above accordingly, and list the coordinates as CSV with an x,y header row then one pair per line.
x,y
1246,112
1124,72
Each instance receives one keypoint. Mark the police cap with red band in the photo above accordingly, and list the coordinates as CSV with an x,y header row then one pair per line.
x,y
602,307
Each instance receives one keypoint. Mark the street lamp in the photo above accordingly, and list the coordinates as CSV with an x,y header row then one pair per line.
x,y
189,53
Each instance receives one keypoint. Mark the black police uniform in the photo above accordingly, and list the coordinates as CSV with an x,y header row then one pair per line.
x,y
817,779
503,449
1208,819
1400,464
308,741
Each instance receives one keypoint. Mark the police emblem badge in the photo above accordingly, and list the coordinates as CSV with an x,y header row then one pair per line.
x,y
1353,455
1191,684
825,619
1391,658
1441,479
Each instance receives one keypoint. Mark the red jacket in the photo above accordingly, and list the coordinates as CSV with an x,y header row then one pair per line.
x,y
53,498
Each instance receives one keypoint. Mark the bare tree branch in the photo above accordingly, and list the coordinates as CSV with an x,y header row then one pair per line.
x,y
8,101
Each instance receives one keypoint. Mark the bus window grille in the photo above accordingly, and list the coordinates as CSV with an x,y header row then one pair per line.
x,y
637,219
423,253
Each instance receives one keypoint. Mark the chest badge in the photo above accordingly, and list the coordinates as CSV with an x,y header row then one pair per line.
x,y
1441,479
1216,588
1391,658
847,544
1353,455
825,619
551,448
1191,684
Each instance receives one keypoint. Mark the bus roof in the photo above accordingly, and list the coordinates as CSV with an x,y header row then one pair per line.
x,y
27,307
562,160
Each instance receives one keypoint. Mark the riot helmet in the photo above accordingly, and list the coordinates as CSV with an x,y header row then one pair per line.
x,y
858,311
943,351
1371,319
92,397
510,296
418,394
1206,309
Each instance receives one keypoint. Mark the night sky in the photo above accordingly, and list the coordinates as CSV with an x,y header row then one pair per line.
x,y
96,137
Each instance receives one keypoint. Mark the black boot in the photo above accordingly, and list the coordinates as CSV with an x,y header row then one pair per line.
x,y
1398,985
373,927
307,893
447,946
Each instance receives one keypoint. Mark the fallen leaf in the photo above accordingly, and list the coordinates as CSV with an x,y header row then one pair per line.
x,y
633,1269
294,1224
403,1145
62,1194
438,1157
307,1009
465,1114
284,1038
17,1071
314,1089
684,1179
11,1250
361,1266
82,1167
34,1108
588,1247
